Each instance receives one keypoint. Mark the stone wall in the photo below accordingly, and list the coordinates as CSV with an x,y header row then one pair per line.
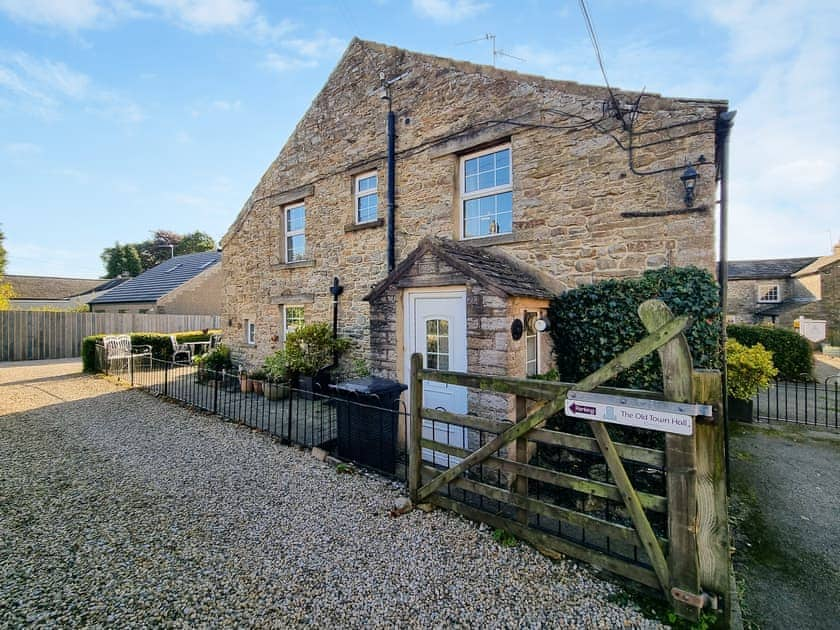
x,y
570,188
201,295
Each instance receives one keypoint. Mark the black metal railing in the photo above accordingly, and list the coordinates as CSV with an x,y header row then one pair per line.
x,y
811,403
356,429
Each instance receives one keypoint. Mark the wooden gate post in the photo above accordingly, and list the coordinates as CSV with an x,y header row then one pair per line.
x,y
680,464
415,432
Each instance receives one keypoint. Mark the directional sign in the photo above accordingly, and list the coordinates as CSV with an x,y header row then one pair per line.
x,y
621,410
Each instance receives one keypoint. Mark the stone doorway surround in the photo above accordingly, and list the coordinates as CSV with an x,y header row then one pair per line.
x,y
498,290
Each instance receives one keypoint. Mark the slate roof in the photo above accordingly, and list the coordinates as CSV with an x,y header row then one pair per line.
x,y
490,270
158,281
782,307
818,264
766,269
47,288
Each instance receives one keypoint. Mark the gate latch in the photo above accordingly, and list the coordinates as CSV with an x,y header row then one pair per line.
x,y
701,601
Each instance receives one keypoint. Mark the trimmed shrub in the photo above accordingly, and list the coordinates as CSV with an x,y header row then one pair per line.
x,y
792,354
748,370
160,342
590,325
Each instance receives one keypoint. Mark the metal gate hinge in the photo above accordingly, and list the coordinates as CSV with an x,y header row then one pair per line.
x,y
701,601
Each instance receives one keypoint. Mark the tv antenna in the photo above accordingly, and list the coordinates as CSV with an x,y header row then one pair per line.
x,y
496,53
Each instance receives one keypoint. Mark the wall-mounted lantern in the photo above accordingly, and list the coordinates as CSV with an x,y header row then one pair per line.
x,y
689,179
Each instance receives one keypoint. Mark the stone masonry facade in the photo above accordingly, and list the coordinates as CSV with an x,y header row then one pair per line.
x,y
580,212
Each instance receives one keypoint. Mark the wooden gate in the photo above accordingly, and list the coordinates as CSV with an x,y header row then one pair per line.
x,y
497,483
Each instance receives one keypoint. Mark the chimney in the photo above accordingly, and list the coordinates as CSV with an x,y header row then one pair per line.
x,y
837,249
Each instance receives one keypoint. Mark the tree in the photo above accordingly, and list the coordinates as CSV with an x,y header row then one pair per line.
x,y
160,247
6,291
2,254
121,259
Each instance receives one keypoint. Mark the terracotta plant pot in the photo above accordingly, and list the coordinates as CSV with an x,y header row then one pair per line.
x,y
257,387
244,384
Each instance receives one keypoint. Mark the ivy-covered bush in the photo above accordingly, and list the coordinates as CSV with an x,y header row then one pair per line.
x,y
160,343
792,354
748,369
592,324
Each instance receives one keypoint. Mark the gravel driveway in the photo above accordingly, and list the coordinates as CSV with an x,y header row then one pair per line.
x,y
119,509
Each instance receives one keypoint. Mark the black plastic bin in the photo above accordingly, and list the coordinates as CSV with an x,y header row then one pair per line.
x,y
367,412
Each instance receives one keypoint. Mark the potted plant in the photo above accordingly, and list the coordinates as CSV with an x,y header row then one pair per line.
x,y
257,377
212,363
831,347
310,350
244,383
277,376
748,371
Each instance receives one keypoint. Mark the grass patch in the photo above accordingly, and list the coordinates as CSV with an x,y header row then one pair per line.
x,y
658,609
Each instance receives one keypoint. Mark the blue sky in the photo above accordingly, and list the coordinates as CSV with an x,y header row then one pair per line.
x,y
118,117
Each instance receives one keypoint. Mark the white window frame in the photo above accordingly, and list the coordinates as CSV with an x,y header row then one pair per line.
x,y
536,336
482,192
764,289
250,332
359,195
288,234
286,308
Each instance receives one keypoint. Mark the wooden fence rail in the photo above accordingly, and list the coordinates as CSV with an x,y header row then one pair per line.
x,y
34,335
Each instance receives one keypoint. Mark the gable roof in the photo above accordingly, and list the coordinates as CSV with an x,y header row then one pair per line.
x,y
160,280
48,288
766,269
394,61
497,273
818,264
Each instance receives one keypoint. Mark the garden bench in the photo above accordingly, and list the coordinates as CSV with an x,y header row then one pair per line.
x,y
119,348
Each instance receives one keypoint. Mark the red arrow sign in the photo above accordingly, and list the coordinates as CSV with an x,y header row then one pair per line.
x,y
590,411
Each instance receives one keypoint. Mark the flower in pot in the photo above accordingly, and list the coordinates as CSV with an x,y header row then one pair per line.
x,y
748,371
257,377
277,376
310,350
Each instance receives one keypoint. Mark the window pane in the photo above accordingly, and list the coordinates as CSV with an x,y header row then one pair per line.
x,y
471,166
443,362
295,219
502,177
503,158
367,208
488,215
367,183
296,247
486,163
471,183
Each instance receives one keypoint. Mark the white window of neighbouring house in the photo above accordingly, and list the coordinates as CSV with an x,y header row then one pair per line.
x,y
250,332
532,344
486,193
367,198
296,233
768,293
292,319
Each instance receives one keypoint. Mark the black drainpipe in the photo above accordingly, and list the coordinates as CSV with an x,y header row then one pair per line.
x,y
391,192
723,128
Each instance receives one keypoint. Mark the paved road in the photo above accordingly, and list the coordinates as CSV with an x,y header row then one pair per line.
x,y
786,483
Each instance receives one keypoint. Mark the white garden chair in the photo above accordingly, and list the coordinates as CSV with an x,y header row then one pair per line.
x,y
180,349
119,348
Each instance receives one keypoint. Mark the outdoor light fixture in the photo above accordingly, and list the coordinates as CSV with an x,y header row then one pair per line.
x,y
689,179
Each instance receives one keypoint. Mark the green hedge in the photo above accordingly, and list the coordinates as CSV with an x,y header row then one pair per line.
x,y
792,354
592,324
160,343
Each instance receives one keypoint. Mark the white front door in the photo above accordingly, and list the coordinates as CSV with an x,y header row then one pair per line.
x,y
437,328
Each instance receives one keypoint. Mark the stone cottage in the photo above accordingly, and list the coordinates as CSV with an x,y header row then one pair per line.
x,y
781,290
507,188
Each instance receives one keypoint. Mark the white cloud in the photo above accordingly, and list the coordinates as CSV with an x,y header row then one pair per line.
x,y
785,151
21,150
304,52
448,11
45,87
70,15
226,106
206,15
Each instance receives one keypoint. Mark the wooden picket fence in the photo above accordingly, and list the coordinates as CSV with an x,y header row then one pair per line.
x,y
688,562
34,335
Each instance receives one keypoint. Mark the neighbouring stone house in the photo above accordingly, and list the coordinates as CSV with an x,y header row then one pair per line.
x,y
780,291
49,292
508,188
184,285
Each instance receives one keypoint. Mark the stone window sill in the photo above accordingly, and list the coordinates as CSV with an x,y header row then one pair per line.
x,y
355,227
294,265
500,239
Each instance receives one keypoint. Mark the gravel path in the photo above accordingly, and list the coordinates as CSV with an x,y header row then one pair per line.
x,y
119,509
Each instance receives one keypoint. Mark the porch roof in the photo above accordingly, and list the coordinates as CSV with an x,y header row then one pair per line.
x,y
496,272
